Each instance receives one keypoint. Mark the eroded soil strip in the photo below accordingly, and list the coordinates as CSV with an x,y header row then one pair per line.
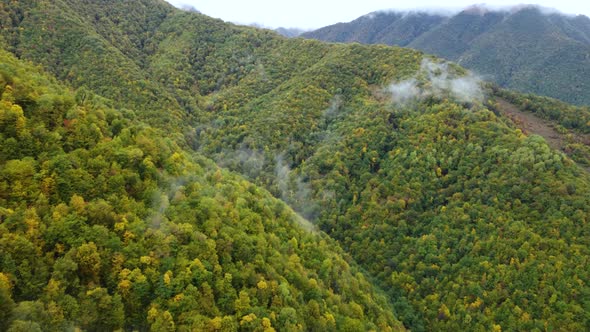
x,y
532,124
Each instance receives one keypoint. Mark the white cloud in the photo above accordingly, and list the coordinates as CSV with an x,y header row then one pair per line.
x,y
440,81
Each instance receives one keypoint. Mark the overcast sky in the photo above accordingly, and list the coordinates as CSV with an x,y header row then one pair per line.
x,y
310,14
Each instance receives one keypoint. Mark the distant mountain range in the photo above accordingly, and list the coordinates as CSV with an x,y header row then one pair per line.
x,y
526,48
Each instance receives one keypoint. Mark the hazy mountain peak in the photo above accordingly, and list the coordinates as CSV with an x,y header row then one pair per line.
x,y
419,11
541,9
479,9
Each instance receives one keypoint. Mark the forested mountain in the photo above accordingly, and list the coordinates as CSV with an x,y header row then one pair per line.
x,y
525,48
106,223
113,214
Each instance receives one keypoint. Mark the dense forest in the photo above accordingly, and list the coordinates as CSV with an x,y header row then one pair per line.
x,y
163,170
107,223
527,48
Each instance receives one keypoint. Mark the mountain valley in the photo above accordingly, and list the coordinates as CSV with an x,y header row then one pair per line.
x,y
163,170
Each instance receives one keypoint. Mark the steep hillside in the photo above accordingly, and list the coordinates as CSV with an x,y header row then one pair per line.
x,y
107,224
79,41
465,221
524,48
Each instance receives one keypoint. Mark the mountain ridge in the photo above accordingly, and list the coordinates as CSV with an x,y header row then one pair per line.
x,y
525,48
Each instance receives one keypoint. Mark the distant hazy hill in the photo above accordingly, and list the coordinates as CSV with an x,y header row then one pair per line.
x,y
525,48
289,32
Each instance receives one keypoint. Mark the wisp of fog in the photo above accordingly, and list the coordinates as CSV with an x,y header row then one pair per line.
x,y
436,79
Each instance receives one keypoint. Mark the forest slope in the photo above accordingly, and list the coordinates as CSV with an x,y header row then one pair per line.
x,y
105,223
466,222
524,48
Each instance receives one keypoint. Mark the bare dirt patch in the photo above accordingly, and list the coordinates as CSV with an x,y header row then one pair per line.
x,y
529,123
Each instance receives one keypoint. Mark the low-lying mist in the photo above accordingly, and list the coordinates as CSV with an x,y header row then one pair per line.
x,y
437,80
